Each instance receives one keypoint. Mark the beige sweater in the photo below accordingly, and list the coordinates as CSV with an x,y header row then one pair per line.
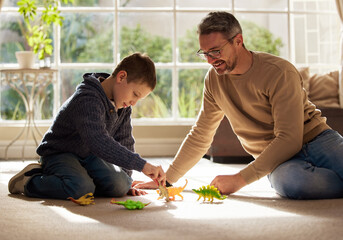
x,y
267,108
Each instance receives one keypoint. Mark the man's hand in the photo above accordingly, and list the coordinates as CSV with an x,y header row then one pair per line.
x,y
228,184
155,172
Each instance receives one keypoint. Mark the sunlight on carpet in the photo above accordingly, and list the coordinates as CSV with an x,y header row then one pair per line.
x,y
230,210
71,217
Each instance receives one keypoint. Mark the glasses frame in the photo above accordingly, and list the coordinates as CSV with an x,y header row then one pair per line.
x,y
214,54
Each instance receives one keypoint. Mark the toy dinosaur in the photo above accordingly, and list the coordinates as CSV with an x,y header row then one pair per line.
x,y
129,204
209,192
172,192
86,199
163,192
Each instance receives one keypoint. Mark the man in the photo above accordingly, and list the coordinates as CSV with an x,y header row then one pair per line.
x,y
263,98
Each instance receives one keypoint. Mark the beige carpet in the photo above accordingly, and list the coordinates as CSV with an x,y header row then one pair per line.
x,y
255,212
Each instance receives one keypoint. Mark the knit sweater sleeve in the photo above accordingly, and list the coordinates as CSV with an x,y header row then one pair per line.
x,y
199,139
125,138
90,121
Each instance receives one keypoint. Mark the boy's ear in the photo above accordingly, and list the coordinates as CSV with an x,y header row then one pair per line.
x,y
122,75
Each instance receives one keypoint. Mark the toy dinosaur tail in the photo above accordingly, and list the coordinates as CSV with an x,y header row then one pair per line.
x,y
183,188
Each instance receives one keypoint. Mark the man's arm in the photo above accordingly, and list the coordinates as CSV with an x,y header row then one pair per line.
x,y
200,137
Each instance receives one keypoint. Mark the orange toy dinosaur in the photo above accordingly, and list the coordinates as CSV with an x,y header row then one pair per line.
x,y
173,191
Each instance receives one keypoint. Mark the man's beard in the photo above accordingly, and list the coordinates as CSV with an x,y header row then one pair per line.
x,y
228,69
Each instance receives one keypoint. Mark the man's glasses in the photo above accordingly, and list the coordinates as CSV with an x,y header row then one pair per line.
x,y
214,54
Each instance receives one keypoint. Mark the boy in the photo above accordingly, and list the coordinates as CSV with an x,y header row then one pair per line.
x,y
90,147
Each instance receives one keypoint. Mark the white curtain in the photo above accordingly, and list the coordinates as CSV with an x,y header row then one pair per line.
x,y
339,4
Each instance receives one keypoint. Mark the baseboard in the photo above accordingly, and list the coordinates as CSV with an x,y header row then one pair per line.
x,y
18,150
159,147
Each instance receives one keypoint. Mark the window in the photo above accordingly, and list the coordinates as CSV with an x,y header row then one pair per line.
x,y
96,34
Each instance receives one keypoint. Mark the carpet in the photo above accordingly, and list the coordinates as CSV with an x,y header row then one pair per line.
x,y
254,212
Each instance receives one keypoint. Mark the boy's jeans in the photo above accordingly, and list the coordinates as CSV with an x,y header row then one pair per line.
x,y
66,175
315,172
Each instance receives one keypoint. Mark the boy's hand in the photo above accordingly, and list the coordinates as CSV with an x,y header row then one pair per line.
x,y
155,172
146,185
136,192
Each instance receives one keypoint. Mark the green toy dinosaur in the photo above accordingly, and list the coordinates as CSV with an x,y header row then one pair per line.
x,y
129,204
209,192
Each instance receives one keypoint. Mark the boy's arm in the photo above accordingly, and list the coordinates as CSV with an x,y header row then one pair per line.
x,y
124,135
89,118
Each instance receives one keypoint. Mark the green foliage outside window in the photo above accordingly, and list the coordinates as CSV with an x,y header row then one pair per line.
x,y
79,37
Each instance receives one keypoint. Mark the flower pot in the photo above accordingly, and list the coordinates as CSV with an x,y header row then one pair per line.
x,y
25,59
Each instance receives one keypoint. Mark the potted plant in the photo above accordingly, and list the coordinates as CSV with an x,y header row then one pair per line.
x,y
38,27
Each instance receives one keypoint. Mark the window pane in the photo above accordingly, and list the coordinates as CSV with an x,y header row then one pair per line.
x,y
158,103
12,106
312,5
316,42
11,37
90,3
146,33
188,38
191,83
203,4
265,32
10,3
87,37
12,103
262,4
146,3
70,78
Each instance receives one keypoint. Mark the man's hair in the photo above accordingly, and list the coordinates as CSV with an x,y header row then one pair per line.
x,y
140,69
222,22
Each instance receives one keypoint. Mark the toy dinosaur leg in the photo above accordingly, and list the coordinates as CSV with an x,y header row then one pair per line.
x,y
180,196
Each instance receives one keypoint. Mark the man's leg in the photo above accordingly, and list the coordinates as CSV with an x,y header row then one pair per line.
x,y
62,177
110,180
316,172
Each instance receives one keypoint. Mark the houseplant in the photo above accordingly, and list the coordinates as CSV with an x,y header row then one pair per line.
x,y
38,26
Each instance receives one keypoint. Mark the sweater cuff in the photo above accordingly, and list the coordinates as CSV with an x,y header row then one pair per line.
x,y
172,175
139,165
248,174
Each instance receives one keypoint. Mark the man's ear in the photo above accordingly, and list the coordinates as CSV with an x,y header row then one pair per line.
x,y
239,39
121,76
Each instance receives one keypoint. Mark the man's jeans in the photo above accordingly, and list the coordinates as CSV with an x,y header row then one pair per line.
x,y
67,175
315,172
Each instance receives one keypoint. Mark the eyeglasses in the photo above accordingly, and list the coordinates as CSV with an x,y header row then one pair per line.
x,y
215,54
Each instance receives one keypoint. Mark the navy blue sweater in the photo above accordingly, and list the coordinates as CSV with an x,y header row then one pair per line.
x,y
87,124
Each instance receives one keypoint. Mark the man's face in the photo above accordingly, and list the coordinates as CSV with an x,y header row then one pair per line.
x,y
227,60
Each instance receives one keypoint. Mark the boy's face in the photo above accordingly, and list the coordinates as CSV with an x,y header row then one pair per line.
x,y
127,94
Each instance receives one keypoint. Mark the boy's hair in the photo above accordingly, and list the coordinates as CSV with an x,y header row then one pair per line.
x,y
140,69
222,22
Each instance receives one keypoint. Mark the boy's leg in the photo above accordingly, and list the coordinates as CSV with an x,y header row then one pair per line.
x,y
63,177
110,180
316,172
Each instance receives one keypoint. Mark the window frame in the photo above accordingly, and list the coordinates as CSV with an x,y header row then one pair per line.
x,y
175,65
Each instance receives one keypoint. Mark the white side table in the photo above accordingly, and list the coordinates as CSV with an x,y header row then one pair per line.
x,y
29,84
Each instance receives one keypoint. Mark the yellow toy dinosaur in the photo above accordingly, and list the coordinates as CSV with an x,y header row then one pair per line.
x,y
173,191
87,199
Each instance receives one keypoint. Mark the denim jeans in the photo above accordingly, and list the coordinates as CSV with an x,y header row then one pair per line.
x,y
315,172
66,175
